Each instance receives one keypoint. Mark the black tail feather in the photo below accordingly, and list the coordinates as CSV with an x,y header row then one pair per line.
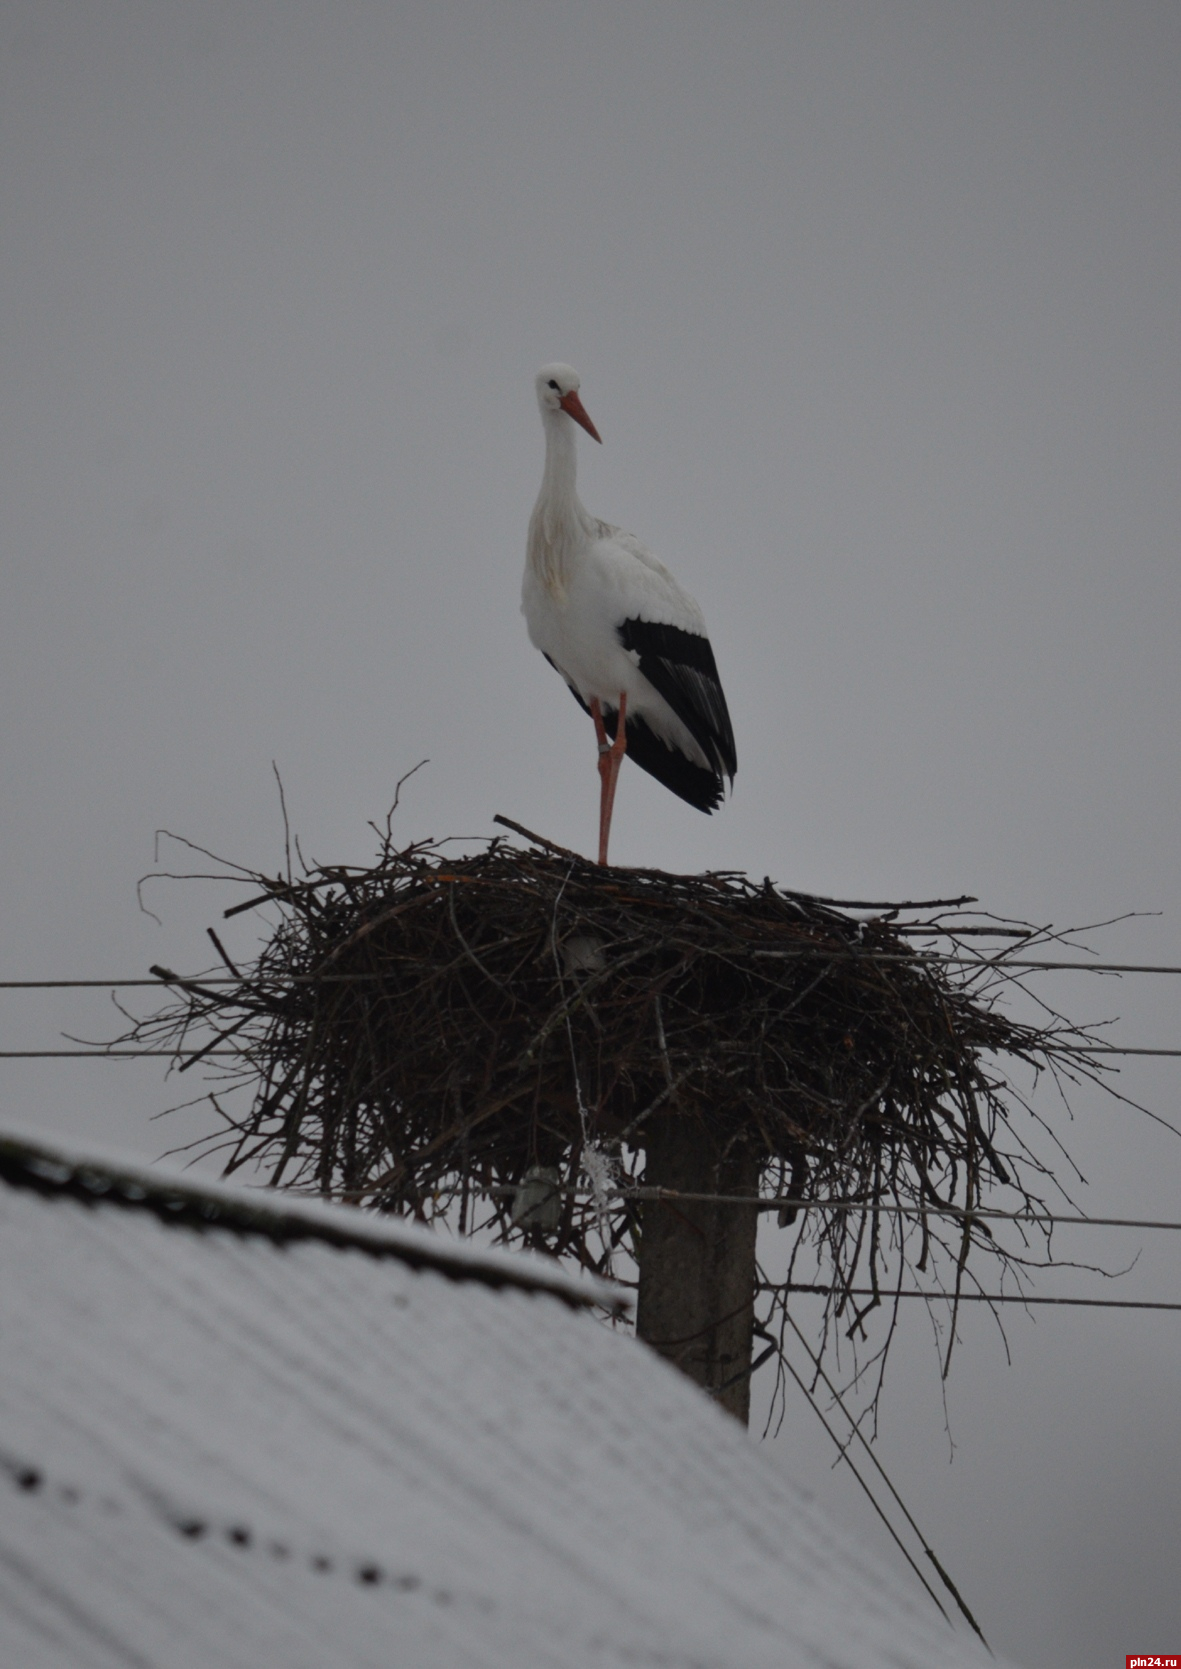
x,y
694,783
680,665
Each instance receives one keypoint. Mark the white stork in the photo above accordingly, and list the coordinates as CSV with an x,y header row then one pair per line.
x,y
612,620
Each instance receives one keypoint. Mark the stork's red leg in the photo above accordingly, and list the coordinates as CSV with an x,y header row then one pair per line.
x,y
610,759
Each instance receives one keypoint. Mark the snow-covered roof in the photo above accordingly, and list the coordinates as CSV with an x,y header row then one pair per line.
x,y
228,1441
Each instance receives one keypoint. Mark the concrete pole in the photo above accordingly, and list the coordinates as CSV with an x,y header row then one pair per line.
x,y
697,1260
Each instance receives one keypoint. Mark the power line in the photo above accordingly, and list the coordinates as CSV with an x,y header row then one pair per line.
x,y
783,1202
113,1054
970,1297
958,1213
992,964
760,1202
843,1453
1116,1049
181,979
983,963
181,1054
856,1434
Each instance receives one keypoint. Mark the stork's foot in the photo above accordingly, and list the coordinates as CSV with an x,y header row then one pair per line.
x,y
610,759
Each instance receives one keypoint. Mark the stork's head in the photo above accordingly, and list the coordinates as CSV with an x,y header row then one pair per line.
x,y
557,390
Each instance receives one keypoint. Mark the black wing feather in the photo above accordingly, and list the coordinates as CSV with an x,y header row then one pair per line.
x,y
696,784
681,666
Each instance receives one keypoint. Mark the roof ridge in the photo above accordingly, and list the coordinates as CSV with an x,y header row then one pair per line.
x,y
56,1170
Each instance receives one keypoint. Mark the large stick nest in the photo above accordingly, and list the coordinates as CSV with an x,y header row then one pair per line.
x,y
433,1033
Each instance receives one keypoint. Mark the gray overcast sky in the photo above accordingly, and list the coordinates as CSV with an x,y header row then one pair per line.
x,y
876,309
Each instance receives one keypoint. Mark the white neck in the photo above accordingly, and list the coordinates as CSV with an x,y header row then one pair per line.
x,y
559,524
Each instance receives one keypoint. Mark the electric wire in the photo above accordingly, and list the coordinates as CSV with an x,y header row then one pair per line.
x,y
98,1053
888,1295
843,1451
779,1202
873,1501
983,963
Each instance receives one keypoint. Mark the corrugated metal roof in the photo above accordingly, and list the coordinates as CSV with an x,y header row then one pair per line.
x,y
238,1449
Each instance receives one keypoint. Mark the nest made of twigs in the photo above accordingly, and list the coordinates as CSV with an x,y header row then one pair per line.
x,y
426,1034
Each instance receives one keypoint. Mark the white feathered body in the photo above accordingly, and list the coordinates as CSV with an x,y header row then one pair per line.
x,y
609,579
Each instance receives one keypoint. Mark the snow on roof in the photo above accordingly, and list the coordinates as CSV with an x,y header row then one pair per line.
x,y
222,1444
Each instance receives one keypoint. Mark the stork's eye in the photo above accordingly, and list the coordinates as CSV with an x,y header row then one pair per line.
x,y
554,385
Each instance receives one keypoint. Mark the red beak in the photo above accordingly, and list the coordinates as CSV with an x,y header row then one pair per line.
x,y
573,407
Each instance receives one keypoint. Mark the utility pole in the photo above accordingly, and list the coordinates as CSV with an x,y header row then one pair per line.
x,y
697,1258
